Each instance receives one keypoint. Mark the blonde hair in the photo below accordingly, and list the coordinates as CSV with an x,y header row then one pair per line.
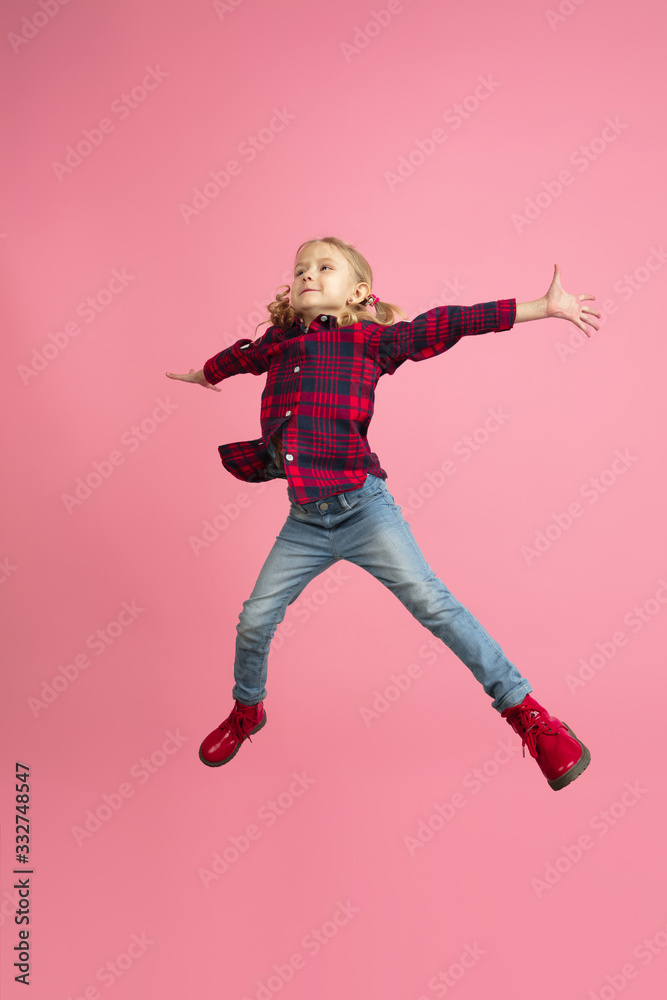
x,y
282,314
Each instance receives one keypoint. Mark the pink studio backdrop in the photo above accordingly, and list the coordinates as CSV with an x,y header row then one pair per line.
x,y
464,148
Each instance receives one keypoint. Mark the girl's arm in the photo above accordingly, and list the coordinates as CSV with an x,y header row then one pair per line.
x,y
243,356
560,304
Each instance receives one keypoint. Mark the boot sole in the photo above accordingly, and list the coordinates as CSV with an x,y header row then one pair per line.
x,y
219,763
577,769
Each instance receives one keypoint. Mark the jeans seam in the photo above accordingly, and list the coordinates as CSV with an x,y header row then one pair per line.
x,y
392,505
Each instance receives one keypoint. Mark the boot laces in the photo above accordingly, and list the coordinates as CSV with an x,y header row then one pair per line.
x,y
532,724
235,724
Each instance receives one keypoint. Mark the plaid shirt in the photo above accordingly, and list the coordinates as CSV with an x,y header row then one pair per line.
x,y
320,390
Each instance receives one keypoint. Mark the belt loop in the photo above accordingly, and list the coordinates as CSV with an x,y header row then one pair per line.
x,y
343,502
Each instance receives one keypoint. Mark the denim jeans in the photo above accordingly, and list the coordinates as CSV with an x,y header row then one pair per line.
x,y
366,527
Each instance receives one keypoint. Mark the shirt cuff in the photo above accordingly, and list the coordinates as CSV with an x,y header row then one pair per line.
x,y
210,374
506,314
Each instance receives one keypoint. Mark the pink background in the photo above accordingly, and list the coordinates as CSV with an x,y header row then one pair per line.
x,y
128,906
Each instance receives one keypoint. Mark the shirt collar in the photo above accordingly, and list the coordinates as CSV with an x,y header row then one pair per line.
x,y
322,318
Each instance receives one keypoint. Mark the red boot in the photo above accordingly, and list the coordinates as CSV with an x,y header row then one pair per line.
x,y
560,755
224,742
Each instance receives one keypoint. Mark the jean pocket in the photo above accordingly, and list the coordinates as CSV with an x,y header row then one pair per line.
x,y
296,511
362,496
394,506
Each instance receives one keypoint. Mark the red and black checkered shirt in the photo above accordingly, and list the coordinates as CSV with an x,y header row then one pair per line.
x,y
320,390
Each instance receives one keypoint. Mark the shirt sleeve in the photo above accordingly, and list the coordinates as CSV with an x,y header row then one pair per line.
x,y
438,329
250,356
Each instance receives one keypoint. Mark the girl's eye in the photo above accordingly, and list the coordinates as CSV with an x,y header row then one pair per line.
x,y
323,265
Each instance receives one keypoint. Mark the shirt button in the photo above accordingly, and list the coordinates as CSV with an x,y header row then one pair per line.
x,y
323,319
289,457
297,368
288,413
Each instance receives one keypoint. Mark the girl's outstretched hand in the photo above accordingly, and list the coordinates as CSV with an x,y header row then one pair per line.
x,y
563,305
197,377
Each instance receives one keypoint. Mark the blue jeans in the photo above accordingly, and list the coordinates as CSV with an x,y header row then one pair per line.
x,y
366,527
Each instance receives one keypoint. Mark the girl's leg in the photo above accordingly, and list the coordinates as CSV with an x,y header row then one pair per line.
x,y
300,552
381,541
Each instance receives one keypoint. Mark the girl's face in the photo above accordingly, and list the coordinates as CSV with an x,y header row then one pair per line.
x,y
323,282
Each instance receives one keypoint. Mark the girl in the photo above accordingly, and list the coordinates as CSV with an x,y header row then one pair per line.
x,y
323,355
